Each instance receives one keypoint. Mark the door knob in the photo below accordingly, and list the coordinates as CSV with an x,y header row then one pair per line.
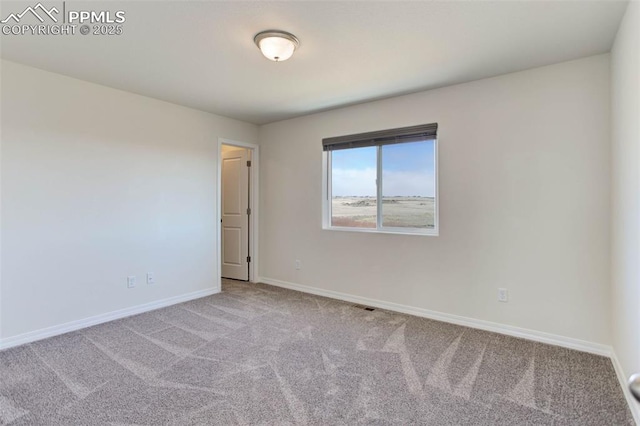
x,y
634,385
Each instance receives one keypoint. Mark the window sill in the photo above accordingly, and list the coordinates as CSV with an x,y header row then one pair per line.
x,y
396,231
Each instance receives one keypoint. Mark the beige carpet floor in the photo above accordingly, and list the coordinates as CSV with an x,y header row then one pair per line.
x,y
257,354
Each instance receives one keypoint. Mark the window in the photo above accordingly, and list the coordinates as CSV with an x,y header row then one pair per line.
x,y
382,181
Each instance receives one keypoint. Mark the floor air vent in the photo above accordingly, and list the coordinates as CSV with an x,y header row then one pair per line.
x,y
366,308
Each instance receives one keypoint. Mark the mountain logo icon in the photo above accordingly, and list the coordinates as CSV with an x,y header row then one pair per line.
x,y
38,11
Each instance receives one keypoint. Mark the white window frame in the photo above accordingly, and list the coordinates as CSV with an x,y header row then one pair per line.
x,y
326,201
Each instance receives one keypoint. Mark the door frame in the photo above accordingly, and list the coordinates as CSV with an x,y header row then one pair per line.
x,y
254,189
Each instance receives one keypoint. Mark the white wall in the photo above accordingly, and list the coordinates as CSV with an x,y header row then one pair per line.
x,y
625,238
524,190
98,184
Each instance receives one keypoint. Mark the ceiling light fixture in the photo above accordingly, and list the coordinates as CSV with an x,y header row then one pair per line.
x,y
276,45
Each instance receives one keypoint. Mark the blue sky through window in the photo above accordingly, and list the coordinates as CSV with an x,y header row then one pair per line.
x,y
408,169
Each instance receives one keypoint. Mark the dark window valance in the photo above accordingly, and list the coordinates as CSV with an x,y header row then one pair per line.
x,y
382,137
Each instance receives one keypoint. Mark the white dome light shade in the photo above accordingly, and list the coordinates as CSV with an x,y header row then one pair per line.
x,y
276,45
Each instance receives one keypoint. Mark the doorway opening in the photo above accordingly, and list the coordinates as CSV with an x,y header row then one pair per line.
x,y
237,210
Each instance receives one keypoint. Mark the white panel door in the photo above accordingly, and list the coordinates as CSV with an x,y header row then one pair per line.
x,y
235,215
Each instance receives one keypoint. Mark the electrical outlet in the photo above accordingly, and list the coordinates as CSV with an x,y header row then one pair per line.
x,y
150,278
503,295
298,265
131,281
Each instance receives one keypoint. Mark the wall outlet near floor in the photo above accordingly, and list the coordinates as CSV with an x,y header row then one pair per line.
x,y
151,279
298,264
131,281
503,295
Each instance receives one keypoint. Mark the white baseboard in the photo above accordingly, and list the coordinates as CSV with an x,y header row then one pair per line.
x,y
634,405
538,336
44,333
